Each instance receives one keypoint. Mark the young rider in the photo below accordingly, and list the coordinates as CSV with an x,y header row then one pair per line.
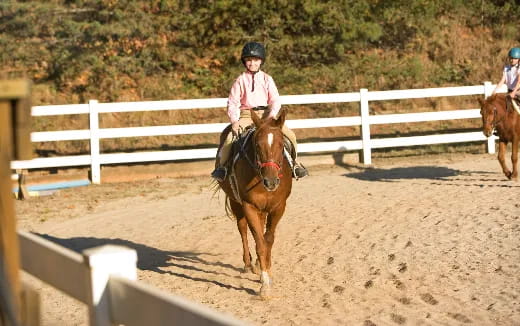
x,y
252,89
511,75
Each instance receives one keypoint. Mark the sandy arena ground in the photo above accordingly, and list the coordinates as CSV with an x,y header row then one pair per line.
x,y
409,241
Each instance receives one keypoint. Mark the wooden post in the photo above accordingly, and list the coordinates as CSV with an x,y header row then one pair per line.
x,y
14,144
95,166
106,261
490,144
366,152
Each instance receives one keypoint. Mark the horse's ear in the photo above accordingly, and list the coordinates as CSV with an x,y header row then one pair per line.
x,y
281,117
481,101
255,118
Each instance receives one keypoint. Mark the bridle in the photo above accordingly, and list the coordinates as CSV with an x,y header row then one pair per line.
x,y
495,122
259,164
269,163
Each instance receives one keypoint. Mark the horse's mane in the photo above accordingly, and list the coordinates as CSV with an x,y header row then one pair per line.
x,y
496,96
498,99
267,122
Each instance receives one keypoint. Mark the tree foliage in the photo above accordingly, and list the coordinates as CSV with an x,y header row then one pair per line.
x,y
161,49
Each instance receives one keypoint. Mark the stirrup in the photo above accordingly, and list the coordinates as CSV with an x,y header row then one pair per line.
x,y
299,171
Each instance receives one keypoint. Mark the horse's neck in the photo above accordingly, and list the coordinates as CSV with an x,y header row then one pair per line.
x,y
499,102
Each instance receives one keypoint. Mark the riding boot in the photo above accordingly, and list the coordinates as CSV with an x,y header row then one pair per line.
x,y
219,173
299,170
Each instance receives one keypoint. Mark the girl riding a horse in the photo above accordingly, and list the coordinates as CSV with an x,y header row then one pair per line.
x,y
511,75
253,89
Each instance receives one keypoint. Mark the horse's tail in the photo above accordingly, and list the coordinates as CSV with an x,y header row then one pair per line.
x,y
227,206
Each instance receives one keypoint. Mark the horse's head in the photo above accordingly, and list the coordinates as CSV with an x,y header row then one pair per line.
x,y
491,110
269,148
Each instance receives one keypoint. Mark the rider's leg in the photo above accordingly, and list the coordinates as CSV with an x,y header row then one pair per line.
x,y
220,171
299,170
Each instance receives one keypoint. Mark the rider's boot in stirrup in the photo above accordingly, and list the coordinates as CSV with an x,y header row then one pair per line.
x,y
219,173
300,171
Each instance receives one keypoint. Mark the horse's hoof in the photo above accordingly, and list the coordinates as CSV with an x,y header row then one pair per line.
x,y
247,269
265,292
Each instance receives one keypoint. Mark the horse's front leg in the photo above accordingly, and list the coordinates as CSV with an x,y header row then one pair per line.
x,y
242,228
272,221
254,219
514,159
502,147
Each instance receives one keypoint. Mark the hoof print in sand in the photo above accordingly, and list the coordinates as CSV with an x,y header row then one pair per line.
x,y
460,317
428,298
398,319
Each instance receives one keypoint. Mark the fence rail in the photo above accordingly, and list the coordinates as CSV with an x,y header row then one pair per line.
x,y
104,278
94,134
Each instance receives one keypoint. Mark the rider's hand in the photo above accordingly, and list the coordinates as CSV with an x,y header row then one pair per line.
x,y
235,128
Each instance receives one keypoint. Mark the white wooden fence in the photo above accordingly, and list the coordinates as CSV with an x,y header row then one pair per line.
x,y
365,144
104,278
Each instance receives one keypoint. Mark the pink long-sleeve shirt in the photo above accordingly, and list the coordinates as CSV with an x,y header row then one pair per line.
x,y
244,96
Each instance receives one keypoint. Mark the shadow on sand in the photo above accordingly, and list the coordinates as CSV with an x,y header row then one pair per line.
x,y
155,260
412,172
439,176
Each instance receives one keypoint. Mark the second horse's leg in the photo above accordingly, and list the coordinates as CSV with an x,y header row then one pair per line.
x,y
514,159
502,147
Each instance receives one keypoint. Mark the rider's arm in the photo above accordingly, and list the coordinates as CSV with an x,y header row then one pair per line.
x,y
273,98
500,83
234,100
517,86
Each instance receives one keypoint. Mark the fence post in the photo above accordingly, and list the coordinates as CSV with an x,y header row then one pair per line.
x,y
366,152
95,165
15,144
104,262
488,89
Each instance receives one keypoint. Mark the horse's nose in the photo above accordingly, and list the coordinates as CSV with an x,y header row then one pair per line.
x,y
271,184
488,133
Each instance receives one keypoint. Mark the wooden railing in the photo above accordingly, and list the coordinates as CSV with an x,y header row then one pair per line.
x,y
104,279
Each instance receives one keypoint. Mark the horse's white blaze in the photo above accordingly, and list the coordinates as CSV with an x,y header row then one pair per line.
x,y
270,139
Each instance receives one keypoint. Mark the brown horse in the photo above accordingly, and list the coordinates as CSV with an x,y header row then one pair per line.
x,y
500,116
257,188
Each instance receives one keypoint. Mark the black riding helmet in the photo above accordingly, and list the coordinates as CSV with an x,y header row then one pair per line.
x,y
253,49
